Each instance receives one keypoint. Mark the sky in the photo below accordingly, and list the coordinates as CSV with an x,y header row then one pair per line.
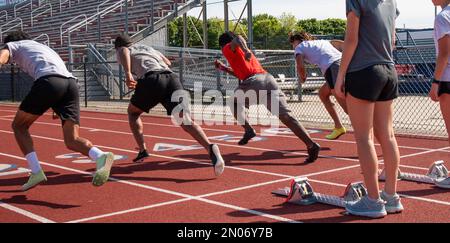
x,y
414,13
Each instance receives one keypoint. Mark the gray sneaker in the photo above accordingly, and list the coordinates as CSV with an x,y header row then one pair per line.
x,y
393,203
367,207
443,183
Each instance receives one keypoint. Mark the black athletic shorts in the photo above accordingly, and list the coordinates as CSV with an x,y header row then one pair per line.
x,y
332,73
444,88
375,83
56,92
155,88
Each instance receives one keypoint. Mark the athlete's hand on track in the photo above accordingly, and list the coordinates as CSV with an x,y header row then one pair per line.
x,y
434,92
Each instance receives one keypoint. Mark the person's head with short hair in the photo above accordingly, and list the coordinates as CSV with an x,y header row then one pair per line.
x,y
226,38
123,40
17,35
295,38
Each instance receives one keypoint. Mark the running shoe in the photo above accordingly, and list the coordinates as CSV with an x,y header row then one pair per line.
x,y
141,156
248,135
34,180
216,159
313,153
393,203
104,164
367,207
337,132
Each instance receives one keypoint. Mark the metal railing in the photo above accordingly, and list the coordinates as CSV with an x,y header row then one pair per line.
x,y
2,30
107,68
178,10
24,4
105,2
47,7
61,2
47,39
4,13
92,18
68,29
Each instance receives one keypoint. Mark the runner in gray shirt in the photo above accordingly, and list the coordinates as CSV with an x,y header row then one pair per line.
x,y
54,87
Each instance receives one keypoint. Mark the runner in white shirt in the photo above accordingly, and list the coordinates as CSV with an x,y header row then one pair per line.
x,y
440,89
54,87
327,56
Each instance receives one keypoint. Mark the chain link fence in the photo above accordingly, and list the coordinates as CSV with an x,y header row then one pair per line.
x,y
102,88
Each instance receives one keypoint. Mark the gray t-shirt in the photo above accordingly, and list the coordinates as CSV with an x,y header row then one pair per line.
x,y
441,29
376,30
36,59
145,59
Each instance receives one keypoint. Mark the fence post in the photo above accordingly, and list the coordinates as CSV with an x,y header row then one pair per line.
x,y
218,75
300,96
121,87
181,65
13,97
85,85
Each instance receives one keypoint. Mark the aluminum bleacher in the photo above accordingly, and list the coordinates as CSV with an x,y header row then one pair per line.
x,y
105,19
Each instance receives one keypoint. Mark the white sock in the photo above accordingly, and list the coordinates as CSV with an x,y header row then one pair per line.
x,y
33,162
95,153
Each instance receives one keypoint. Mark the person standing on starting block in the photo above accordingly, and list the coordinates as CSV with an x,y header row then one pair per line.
x,y
327,55
54,87
156,84
440,89
252,76
368,81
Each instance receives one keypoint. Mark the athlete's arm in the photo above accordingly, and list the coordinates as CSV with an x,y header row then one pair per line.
x,y
338,44
300,68
239,41
4,56
350,45
222,67
441,64
165,59
124,58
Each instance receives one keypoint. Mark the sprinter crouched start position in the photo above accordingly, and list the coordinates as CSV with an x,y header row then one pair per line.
x,y
156,84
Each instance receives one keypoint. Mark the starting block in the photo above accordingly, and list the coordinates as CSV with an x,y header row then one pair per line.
x,y
6,167
301,192
437,171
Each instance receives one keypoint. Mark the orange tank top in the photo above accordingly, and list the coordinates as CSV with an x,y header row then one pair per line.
x,y
241,67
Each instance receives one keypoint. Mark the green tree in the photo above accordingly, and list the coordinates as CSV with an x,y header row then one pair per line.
x,y
265,28
175,32
288,22
334,27
216,27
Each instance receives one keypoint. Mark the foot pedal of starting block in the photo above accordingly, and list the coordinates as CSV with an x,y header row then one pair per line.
x,y
437,171
301,192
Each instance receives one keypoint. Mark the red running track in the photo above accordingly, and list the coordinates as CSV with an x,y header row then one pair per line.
x,y
177,183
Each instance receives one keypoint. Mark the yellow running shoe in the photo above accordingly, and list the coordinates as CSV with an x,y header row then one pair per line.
x,y
34,180
337,132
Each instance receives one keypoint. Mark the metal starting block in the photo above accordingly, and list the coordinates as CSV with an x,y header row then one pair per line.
x,y
437,171
301,192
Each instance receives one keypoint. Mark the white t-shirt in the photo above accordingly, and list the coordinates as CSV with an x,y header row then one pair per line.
x,y
441,29
36,59
318,52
